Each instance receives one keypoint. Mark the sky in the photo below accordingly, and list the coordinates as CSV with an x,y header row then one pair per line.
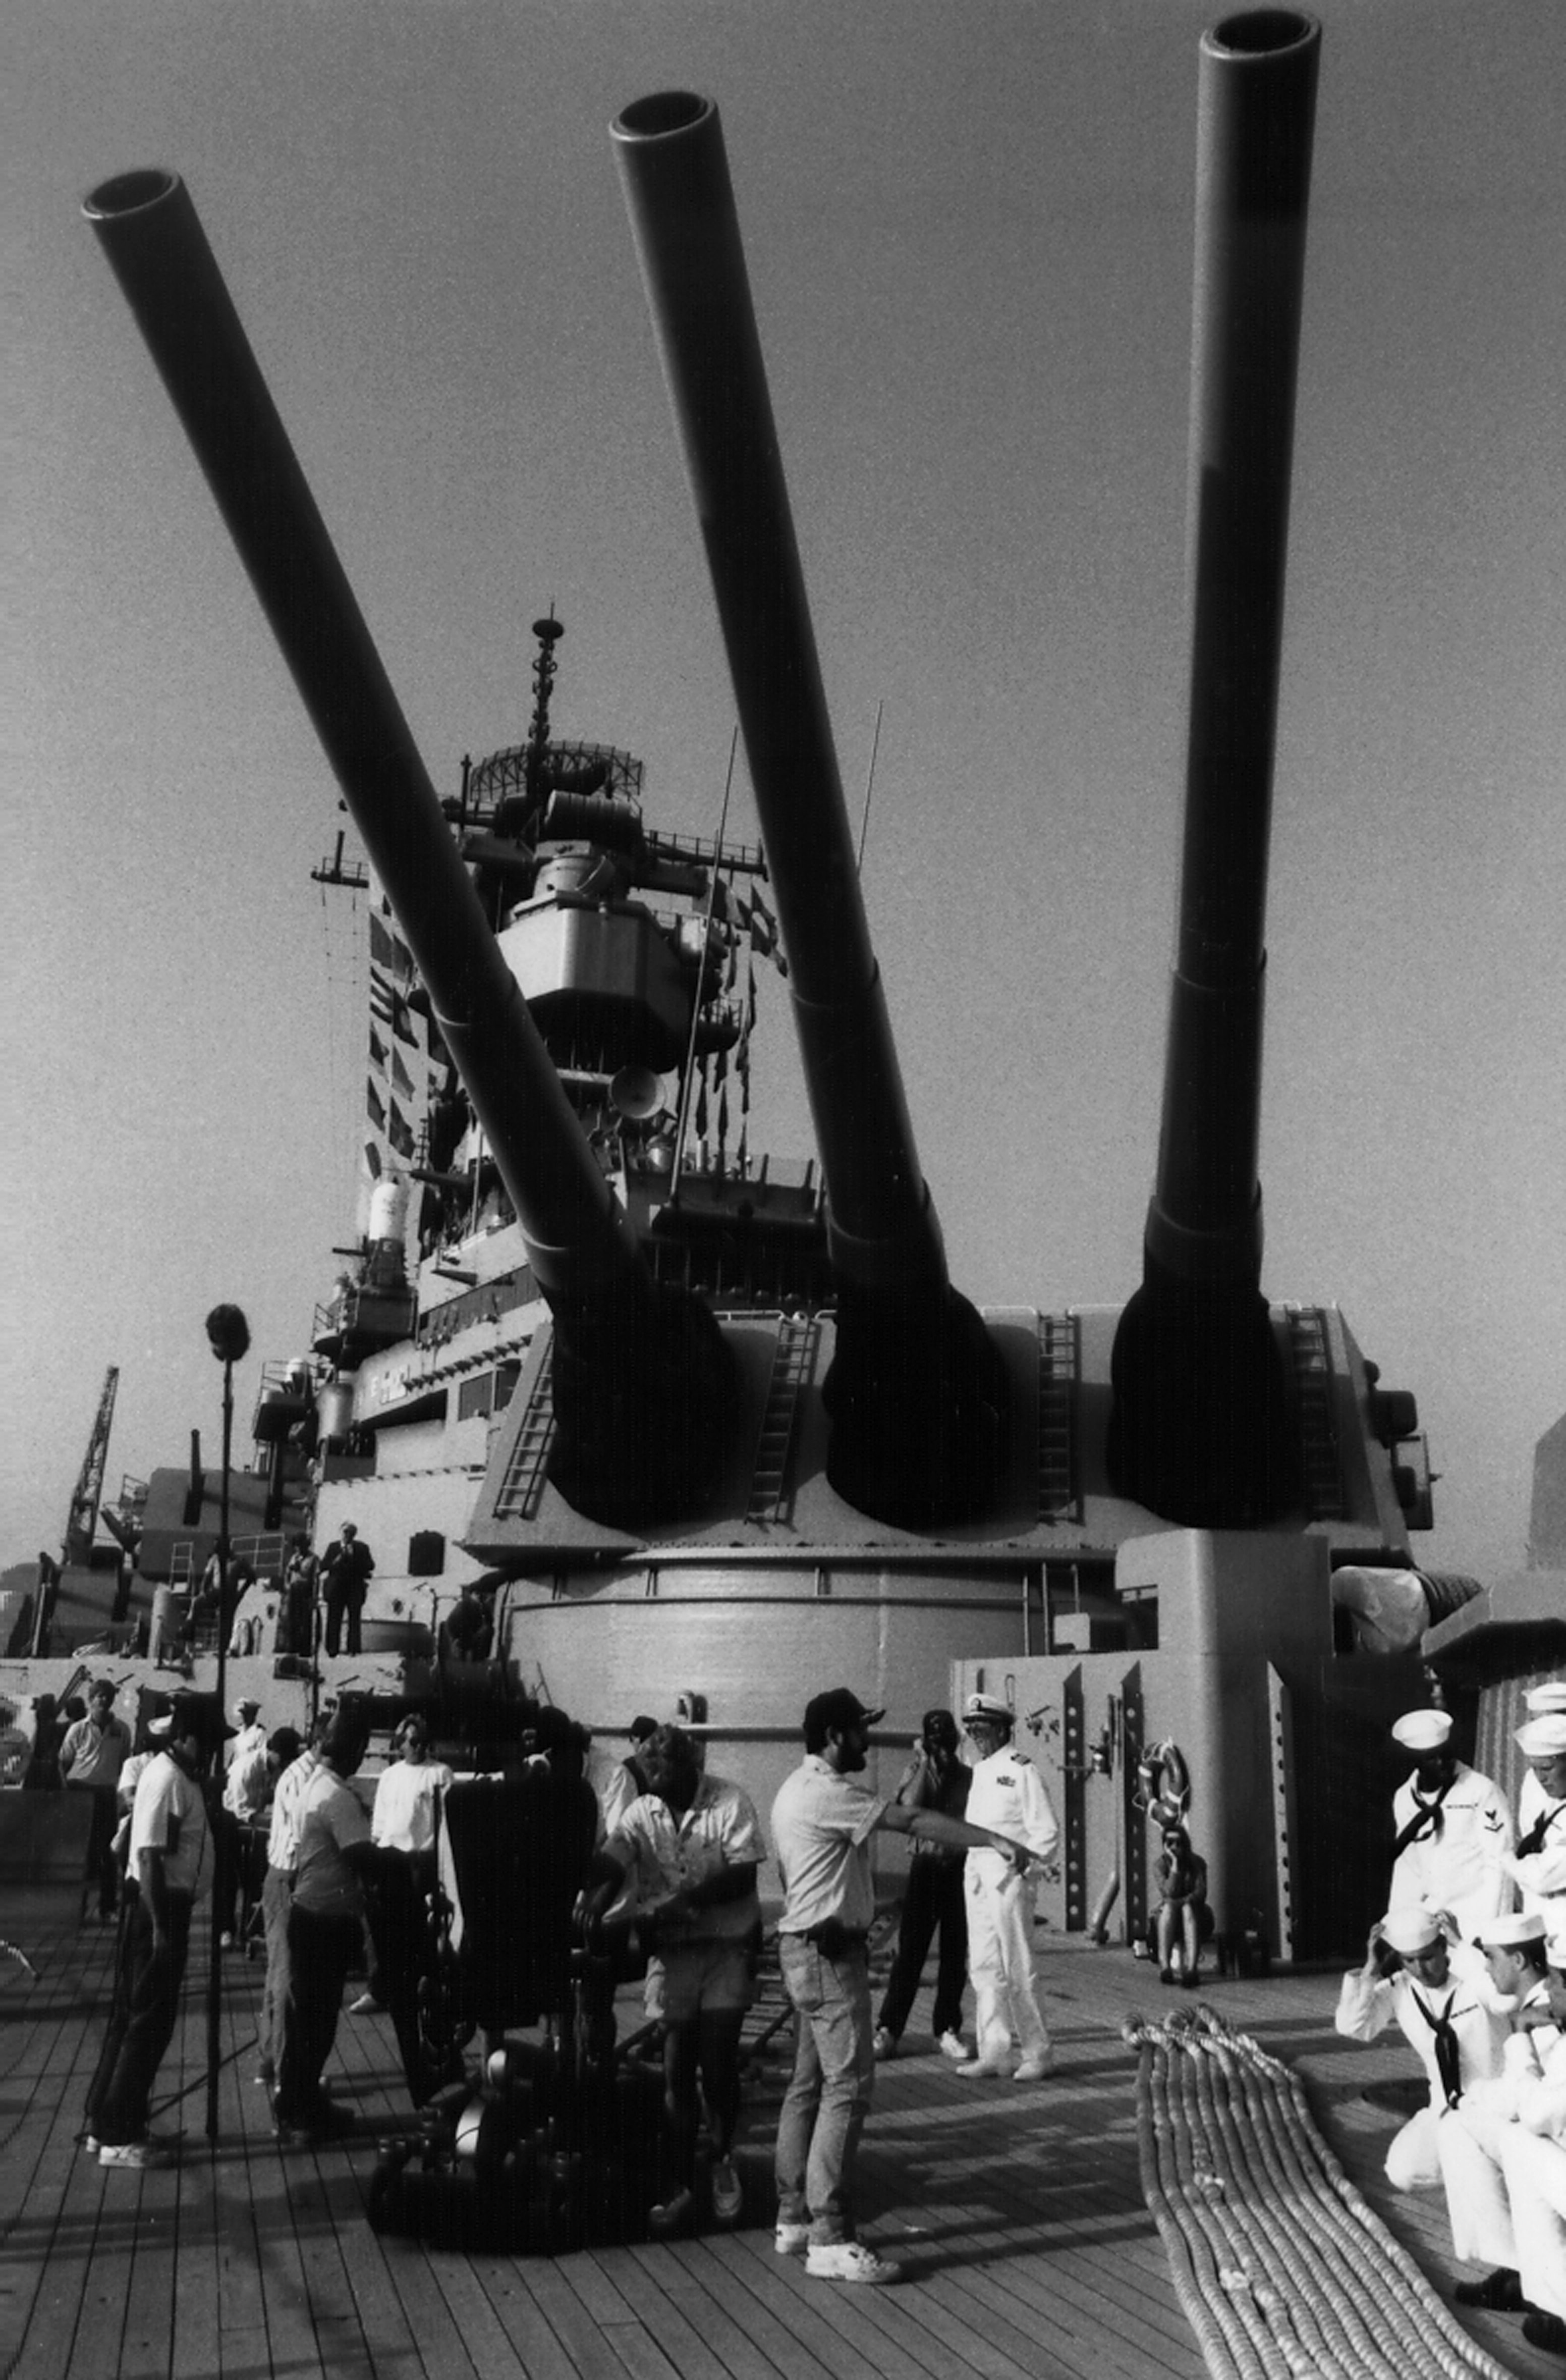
x,y
969,235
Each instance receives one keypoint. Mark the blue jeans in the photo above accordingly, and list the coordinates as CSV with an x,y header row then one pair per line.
x,y
828,2097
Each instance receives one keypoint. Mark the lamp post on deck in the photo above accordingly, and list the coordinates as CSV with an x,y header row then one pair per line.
x,y
228,1334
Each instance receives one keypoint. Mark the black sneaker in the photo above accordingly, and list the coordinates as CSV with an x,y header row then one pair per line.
x,y
1498,2292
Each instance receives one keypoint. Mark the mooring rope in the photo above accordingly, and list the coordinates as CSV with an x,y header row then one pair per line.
x,y
1283,2271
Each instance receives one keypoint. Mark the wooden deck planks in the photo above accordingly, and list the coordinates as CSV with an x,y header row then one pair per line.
x,y
1016,2213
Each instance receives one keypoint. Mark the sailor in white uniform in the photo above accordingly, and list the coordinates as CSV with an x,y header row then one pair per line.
x,y
1454,1830
1476,2142
1008,1796
1538,1864
1439,2000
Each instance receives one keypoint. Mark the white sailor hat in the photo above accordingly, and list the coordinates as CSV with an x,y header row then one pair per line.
x,y
1409,1931
1510,1932
1422,1731
1555,1947
1543,1738
986,1706
1550,1697
161,1724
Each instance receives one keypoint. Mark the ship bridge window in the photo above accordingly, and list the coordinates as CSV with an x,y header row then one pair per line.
x,y
490,1392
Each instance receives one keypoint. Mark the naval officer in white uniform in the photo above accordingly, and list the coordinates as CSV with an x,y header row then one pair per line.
x,y
1007,1795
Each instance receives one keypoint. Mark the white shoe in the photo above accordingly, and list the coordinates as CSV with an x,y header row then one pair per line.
x,y
791,2239
952,2046
885,2043
140,2155
847,2261
984,2066
1034,2070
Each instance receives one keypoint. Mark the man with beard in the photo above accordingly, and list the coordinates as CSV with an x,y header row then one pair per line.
x,y
822,1822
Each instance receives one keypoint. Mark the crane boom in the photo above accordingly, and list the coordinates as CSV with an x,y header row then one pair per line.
x,y
82,1521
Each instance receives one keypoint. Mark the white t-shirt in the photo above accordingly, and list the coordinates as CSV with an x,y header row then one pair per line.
x,y
407,1805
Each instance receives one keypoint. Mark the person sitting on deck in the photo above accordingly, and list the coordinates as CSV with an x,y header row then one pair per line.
x,y
1484,2144
1435,1990
1183,1920
692,1844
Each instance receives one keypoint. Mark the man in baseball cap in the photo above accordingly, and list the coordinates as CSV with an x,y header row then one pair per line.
x,y
1453,1829
822,1821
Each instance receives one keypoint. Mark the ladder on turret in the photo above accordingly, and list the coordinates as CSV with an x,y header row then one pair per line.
x,y
794,1361
1059,1359
1312,1365
521,1489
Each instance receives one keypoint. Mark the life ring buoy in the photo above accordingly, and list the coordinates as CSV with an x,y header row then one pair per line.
x,y
1163,1783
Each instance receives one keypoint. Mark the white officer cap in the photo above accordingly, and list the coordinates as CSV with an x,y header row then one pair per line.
x,y
1423,1731
986,1706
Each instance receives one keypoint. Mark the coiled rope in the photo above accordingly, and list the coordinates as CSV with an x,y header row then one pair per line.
x,y
1283,2271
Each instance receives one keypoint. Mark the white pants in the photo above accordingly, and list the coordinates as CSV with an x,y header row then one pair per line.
x,y
1534,2170
1413,2160
1469,2141
1001,1966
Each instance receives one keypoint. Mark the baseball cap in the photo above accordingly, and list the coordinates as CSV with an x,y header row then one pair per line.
x,y
838,1707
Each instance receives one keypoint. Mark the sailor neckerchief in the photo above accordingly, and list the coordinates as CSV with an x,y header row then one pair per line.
x,y
1428,1818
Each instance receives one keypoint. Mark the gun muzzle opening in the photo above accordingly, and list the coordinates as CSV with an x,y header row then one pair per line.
x,y
129,194
1261,33
661,113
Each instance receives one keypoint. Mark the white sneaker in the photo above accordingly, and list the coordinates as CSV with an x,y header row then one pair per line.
x,y
1034,2070
984,2066
952,2046
140,2155
791,2239
847,2261
885,2043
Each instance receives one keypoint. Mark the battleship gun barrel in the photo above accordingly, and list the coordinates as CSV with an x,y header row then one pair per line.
x,y
584,1251
673,163
895,1302
1199,1430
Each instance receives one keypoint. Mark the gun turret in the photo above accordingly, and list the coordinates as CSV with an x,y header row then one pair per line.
x,y
641,1387
914,1394
1200,1431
